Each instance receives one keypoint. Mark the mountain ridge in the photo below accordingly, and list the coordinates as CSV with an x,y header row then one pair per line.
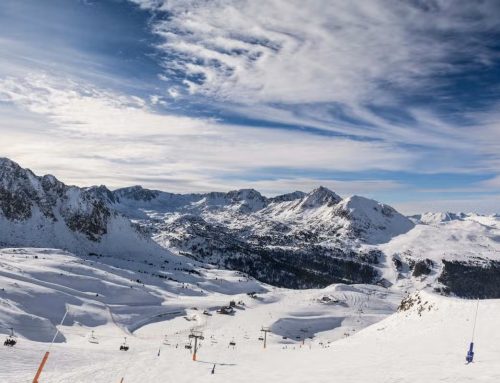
x,y
295,240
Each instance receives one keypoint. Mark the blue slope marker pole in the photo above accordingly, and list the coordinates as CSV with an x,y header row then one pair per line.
x,y
470,354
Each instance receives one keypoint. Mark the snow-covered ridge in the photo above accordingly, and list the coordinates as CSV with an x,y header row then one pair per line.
x,y
44,212
295,240
298,240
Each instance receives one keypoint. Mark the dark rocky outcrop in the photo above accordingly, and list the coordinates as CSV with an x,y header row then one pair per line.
x,y
472,280
422,267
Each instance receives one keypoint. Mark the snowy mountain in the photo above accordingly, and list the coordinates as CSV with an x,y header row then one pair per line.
x,y
315,239
430,218
146,268
297,240
43,212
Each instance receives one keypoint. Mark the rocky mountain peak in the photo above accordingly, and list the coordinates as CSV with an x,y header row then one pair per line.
x,y
137,193
249,199
245,195
296,195
319,197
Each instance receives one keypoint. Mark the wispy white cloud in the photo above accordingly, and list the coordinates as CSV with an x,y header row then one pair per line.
x,y
326,51
107,133
287,62
329,70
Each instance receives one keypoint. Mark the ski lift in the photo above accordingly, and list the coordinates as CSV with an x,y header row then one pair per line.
x,y
93,339
10,341
261,338
188,346
124,346
232,343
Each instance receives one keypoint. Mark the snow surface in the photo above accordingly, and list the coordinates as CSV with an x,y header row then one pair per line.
x,y
460,240
426,343
102,294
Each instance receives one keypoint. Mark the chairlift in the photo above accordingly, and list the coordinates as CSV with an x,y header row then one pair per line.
x,y
188,346
232,343
10,341
93,339
124,346
261,338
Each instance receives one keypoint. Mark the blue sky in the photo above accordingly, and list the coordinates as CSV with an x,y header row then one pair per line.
x,y
395,100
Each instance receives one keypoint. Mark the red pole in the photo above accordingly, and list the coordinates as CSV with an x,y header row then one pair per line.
x,y
195,345
40,368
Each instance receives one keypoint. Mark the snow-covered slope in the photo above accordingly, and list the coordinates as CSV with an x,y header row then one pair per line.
x,y
461,256
425,341
117,298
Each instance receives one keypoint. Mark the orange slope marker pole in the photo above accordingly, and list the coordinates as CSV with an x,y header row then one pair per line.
x,y
47,353
40,368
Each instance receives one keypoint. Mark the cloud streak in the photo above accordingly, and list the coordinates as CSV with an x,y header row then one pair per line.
x,y
122,135
281,51
394,99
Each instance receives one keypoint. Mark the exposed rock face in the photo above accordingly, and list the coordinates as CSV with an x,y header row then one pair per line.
x,y
14,206
44,212
136,193
22,194
422,267
93,223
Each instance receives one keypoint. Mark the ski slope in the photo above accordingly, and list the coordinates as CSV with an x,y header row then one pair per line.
x,y
351,333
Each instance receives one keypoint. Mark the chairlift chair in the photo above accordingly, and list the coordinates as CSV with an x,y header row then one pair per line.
x,y
93,339
232,343
10,341
124,346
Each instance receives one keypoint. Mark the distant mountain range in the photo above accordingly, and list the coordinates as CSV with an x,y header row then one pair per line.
x,y
296,240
